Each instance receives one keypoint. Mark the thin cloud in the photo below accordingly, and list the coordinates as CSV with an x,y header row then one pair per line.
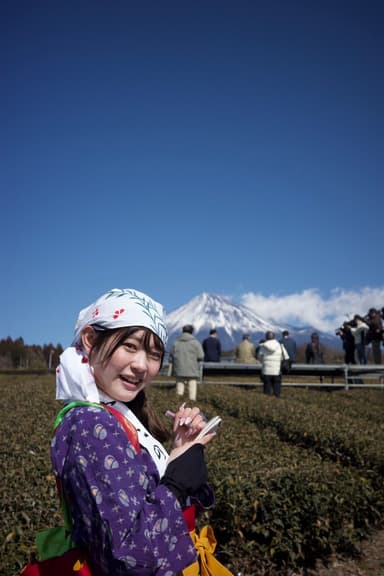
x,y
309,307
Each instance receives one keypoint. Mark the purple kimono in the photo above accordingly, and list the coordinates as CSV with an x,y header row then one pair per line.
x,y
129,523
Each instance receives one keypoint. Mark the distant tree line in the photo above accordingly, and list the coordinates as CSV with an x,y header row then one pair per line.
x,y
15,354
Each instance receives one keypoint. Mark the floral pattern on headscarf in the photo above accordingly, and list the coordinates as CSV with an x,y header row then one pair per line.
x,y
121,308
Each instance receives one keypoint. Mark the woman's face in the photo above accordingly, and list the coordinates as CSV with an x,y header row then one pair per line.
x,y
130,368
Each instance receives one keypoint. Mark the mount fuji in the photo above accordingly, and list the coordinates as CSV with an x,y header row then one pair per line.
x,y
231,321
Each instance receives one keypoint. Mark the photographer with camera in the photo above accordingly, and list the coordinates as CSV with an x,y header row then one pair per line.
x,y
346,335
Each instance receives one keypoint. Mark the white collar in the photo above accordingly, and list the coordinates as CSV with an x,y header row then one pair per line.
x,y
156,450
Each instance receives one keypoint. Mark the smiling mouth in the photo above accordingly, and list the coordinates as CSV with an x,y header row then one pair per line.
x,y
130,381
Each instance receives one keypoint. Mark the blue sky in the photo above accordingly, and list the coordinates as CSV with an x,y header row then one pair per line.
x,y
180,147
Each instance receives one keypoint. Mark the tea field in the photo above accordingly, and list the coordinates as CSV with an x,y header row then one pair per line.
x,y
297,479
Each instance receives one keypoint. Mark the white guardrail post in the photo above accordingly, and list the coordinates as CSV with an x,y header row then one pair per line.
x,y
346,377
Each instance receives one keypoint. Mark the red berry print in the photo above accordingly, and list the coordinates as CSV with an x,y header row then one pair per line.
x,y
95,313
118,312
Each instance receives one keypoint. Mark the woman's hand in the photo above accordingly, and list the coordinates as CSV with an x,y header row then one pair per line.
x,y
187,424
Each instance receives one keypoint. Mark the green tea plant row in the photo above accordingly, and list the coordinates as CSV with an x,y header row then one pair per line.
x,y
295,478
361,404
284,496
28,500
333,434
320,504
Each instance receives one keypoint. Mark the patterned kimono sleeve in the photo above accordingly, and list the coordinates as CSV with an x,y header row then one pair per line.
x,y
129,523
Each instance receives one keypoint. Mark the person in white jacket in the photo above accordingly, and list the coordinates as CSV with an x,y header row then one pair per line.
x,y
359,332
271,353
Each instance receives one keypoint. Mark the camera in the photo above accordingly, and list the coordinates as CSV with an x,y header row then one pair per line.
x,y
347,325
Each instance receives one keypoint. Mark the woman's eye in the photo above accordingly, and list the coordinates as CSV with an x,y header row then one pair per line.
x,y
130,345
155,355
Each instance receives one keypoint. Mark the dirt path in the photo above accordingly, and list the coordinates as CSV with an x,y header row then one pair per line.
x,y
371,562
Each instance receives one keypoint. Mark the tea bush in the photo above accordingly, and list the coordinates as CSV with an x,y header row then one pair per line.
x,y
335,433
296,478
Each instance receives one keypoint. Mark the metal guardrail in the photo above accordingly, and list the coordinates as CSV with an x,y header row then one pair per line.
x,y
351,375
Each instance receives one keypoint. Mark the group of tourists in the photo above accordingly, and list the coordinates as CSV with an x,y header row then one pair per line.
x,y
360,332
187,354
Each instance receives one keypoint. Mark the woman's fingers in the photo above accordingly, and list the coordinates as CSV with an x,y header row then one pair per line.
x,y
185,416
187,424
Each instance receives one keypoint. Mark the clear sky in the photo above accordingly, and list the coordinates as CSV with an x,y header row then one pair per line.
x,y
179,147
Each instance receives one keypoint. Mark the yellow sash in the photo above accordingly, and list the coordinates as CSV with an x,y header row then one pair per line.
x,y
206,565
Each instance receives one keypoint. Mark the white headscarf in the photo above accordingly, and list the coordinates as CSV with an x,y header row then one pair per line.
x,y
118,308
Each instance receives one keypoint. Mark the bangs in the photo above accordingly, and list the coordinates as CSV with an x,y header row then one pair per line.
x,y
107,341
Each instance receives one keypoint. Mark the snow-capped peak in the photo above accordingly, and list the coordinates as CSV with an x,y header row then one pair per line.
x,y
207,311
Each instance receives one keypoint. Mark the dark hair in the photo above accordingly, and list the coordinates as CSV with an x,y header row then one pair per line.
x,y
106,343
285,333
188,328
213,331
269,335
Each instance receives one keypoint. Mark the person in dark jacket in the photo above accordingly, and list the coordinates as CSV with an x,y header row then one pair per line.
x,y
375,334
348,340
290,345
314,351
212,347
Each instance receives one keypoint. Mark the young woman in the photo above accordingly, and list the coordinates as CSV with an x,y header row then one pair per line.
x,y
127,497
